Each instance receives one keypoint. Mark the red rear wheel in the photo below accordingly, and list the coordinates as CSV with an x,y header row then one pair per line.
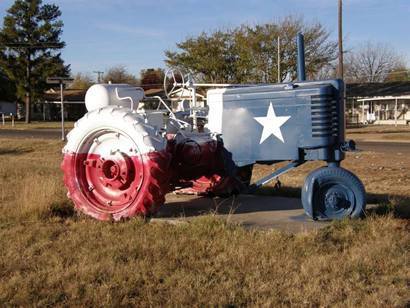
x,y
115,166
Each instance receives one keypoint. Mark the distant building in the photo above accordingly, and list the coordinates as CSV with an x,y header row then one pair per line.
x,y
367,103
378,103
49,109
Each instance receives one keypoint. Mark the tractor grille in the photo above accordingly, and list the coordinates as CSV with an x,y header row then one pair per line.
x,y
325,118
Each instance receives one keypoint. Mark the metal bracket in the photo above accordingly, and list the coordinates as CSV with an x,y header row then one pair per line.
x,y
274,175
348,146
125,98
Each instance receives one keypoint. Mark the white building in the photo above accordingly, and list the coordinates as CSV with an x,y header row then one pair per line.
x,y
378,103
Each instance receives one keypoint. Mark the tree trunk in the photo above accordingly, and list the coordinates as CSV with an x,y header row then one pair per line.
x,y
28,108
28,87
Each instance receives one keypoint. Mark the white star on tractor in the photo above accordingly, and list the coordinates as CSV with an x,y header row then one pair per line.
x,y
271,125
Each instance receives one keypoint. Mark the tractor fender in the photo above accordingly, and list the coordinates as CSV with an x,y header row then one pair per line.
x,y
308,190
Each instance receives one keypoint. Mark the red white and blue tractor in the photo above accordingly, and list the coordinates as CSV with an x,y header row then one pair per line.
x,y
121,159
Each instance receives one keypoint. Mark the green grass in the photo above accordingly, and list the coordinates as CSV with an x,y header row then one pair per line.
x,y
51,256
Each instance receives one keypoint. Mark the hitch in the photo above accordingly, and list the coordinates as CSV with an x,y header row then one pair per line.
x,y
274,175
348,146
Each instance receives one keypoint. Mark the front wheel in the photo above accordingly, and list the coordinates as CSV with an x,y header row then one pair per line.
x,y
333,193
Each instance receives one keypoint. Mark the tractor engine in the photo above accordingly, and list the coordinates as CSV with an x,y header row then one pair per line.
x,y
200,165
194,157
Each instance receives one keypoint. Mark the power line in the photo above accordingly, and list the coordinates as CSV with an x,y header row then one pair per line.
x,y
56,45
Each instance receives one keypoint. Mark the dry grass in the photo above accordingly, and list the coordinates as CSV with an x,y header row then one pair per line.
x,y
49,256
207,262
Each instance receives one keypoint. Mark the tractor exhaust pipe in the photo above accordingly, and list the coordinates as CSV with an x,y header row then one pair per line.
x,y
301,57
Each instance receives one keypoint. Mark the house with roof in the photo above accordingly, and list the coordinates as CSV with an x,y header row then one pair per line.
x,y
378,103
49,108
366,103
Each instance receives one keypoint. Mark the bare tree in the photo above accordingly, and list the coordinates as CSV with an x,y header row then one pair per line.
x,y
400,73
328,71
371,62
152,78
81,82
119,74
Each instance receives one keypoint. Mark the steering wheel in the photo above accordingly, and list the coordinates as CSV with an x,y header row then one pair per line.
x,y
171,77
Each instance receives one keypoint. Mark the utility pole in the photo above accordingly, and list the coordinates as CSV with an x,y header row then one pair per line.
x,y
28,87
279,74
61,81
99,74
340,72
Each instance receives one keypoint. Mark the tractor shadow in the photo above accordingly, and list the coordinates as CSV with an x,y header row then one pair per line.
x,y
378,204
191,206
383,204
14,151
269,202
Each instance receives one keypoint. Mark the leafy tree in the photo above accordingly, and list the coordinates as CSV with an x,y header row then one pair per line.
x,y
7,88
249,53
119,74
81,82
208,56
29,48
151,78
372,62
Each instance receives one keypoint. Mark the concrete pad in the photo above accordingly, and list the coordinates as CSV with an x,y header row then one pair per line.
x,y
252,211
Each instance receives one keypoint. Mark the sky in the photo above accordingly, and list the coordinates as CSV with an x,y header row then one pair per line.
x,y
135,33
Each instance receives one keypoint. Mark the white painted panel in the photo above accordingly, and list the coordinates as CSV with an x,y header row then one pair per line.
x,y
215,103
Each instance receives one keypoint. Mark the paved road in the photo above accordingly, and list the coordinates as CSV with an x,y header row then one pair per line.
x,y
252,211
31,133
385,147
376,146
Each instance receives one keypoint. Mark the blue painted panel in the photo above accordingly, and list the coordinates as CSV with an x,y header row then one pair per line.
x,y
305,117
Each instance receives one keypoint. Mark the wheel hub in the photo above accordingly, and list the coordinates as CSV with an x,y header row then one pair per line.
x,y
110,170
115,171
334,200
